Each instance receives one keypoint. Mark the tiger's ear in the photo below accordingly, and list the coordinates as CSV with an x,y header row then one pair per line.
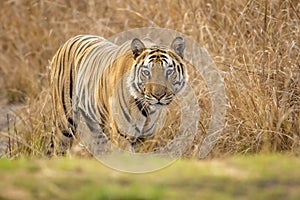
x,y
178,46
137,47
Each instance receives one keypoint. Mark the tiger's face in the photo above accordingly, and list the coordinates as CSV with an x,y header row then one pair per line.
x,y
158,73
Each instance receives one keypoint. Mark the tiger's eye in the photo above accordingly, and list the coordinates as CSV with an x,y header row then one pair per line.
x,y
169,72
146,73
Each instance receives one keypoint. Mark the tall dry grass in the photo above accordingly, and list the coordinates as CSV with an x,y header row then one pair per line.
x,y
256,45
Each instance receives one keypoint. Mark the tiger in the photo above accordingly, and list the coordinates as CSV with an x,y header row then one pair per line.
x,y
115,89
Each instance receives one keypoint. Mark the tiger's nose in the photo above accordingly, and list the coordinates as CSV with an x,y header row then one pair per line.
x,y
159,92
158,95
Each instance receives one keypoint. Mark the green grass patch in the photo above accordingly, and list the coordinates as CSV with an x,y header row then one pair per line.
x,y
243,177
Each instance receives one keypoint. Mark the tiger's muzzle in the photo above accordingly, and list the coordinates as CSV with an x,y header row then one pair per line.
x,y
158,94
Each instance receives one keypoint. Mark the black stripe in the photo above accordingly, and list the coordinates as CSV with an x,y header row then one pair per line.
x,y
128,118
173,63
126,115
134,74
138,78
71,82
156,51
152,52
137,129
136,88
164,60
62,60
181,70
152,57
163,56
177,83
149,129
70,48
63,100
142,108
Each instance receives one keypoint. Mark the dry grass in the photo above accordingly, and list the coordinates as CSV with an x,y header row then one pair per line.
x,y
255,43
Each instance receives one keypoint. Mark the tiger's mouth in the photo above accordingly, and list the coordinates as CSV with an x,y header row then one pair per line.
x,y
162,101
149,103
158,95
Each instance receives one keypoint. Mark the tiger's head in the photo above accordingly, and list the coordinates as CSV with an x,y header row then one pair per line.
x,y
158,73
